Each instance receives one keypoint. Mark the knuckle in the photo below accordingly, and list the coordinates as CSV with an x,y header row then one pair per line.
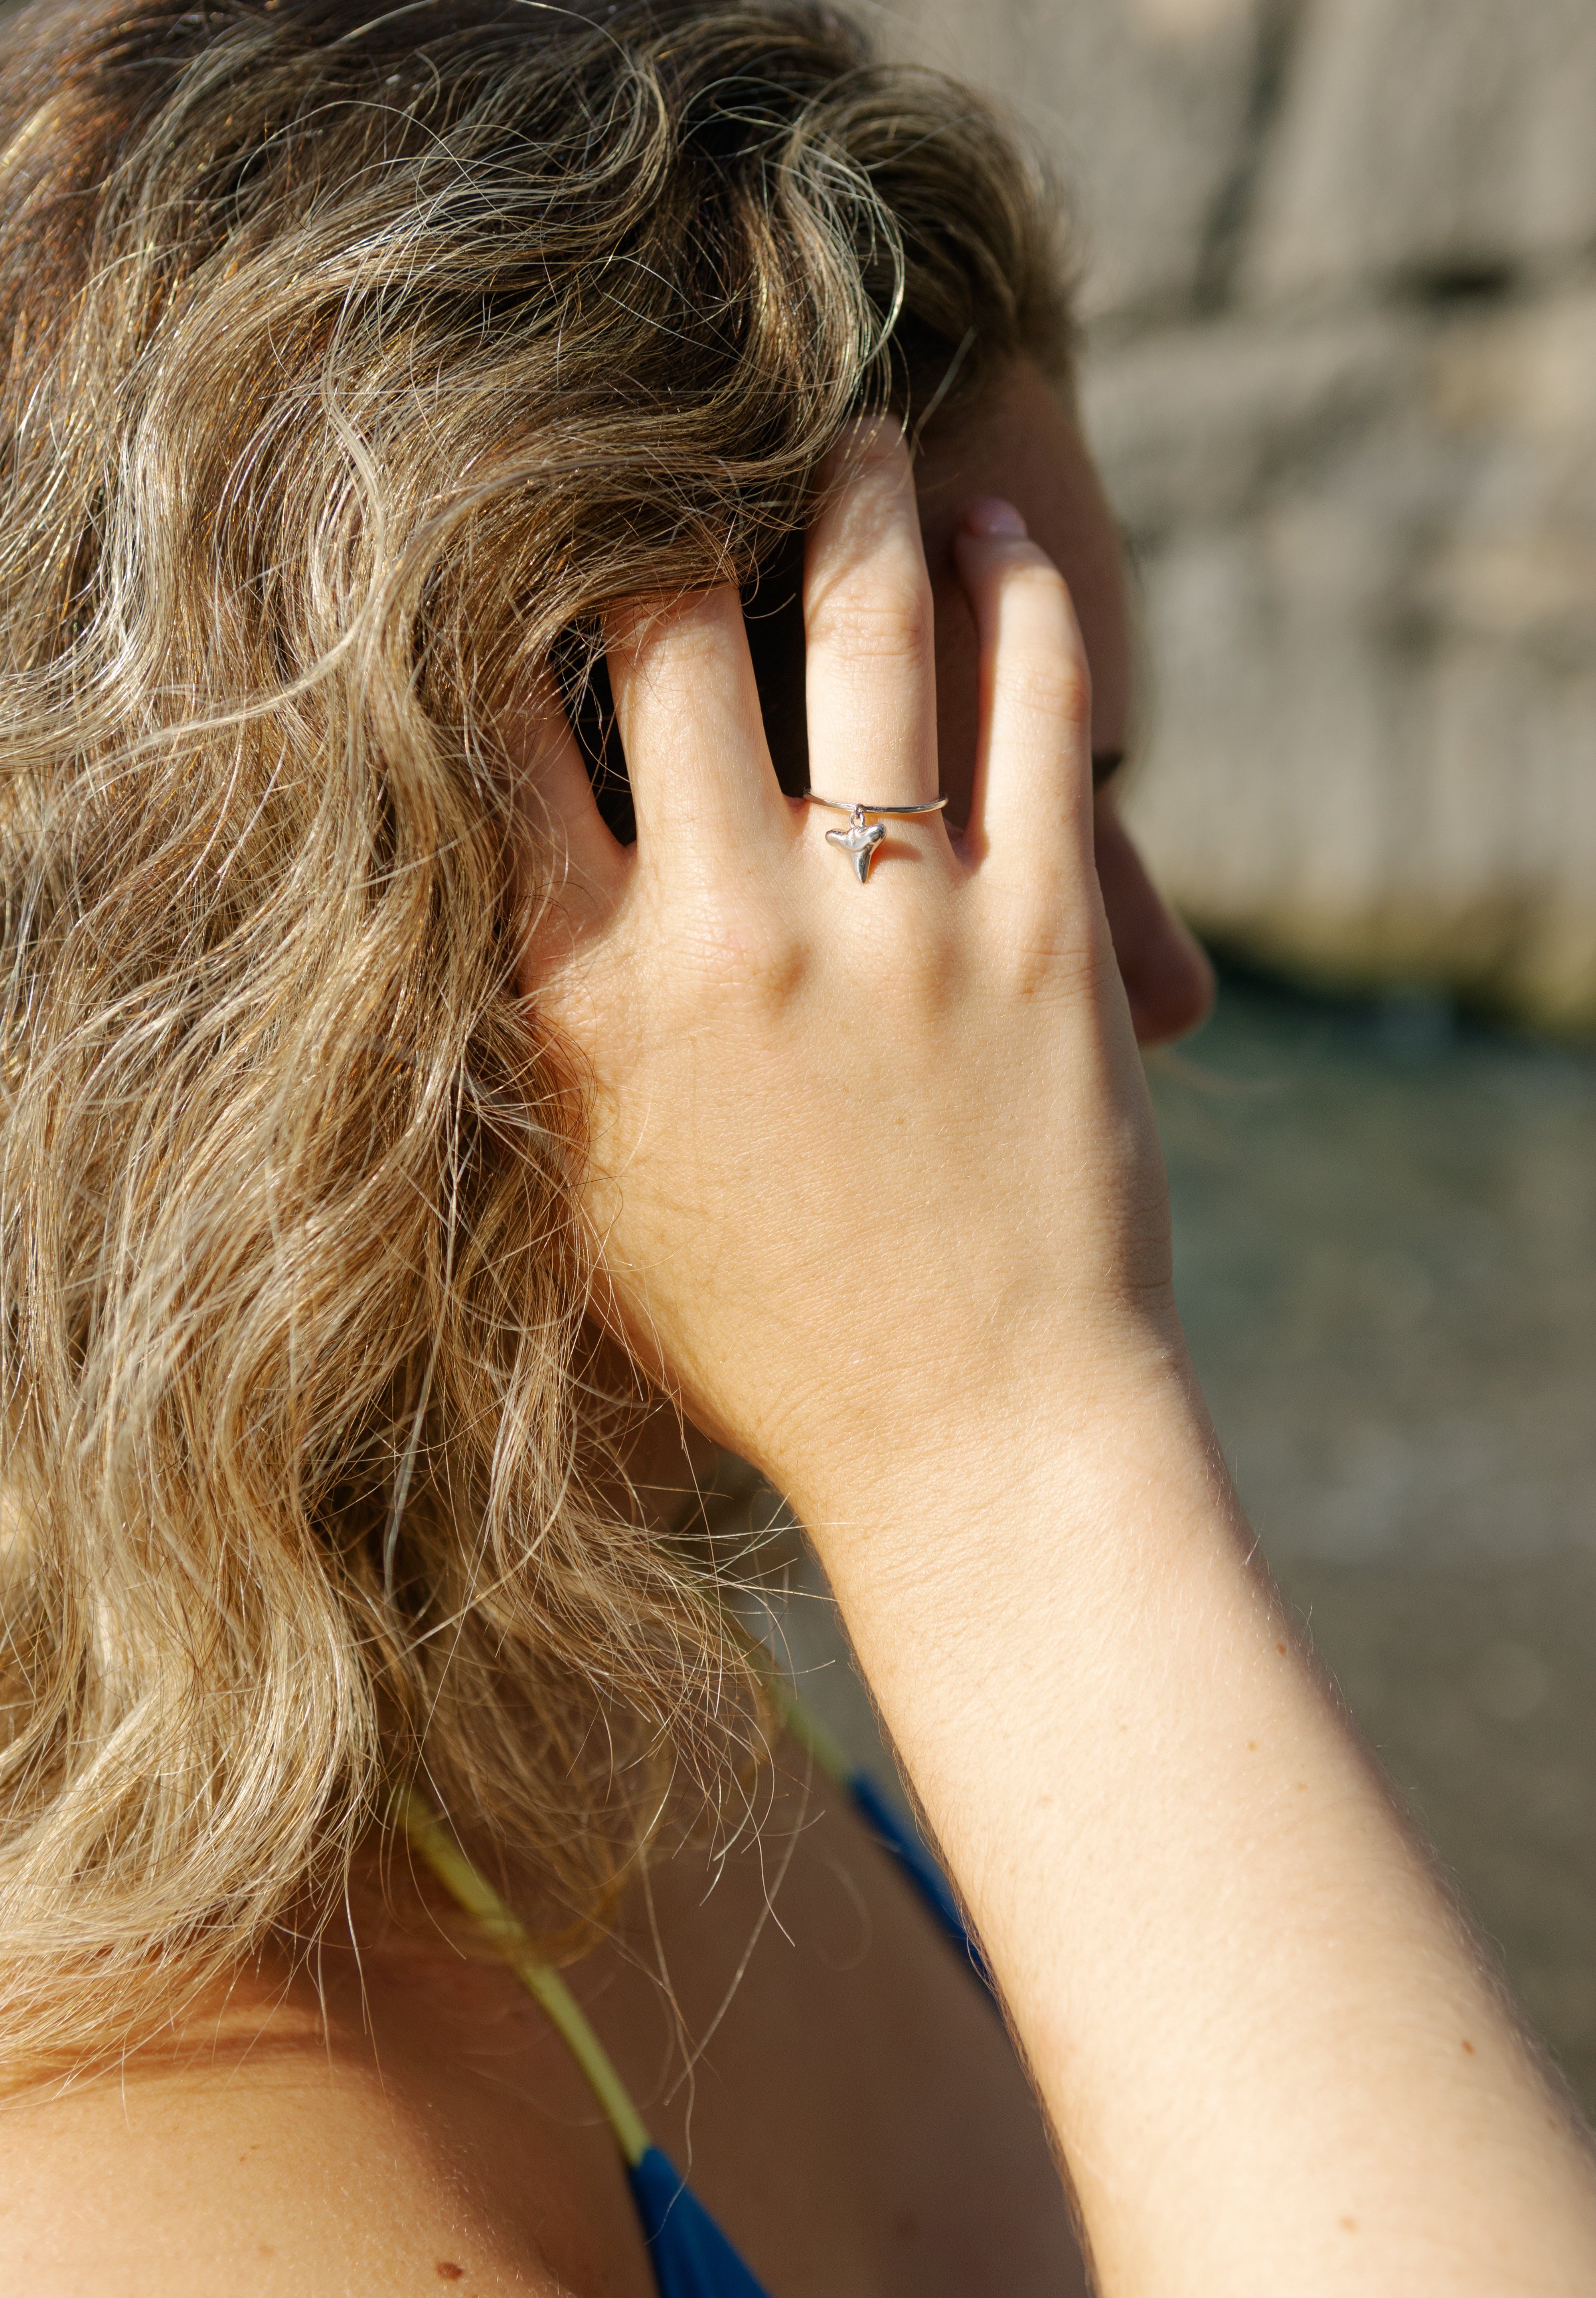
x,y
1030,603
1050,682
664,648
1043,660
1047,950
891,624
1035,576
915,971
678,653
1054,964
742,951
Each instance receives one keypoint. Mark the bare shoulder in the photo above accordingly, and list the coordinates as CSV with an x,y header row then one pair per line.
x,y
793,2030
275,2151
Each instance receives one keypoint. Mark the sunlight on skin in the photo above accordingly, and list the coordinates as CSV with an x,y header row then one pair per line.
x,y
1027,450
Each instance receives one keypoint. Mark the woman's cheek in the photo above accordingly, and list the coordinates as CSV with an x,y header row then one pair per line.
x,y
1168,978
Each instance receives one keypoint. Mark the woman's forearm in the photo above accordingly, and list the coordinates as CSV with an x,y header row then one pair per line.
x,y
1276,2055
880,1195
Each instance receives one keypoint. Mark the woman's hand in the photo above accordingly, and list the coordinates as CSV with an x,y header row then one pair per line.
x,y
863,1157
875,1184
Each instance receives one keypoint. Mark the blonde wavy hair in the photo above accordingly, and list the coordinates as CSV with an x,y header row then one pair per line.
x,y
358,361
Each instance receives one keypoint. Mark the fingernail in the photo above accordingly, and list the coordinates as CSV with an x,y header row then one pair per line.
x,y
993,516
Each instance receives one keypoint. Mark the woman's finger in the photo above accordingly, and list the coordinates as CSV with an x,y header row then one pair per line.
x,y
870,672
702,783
1033,769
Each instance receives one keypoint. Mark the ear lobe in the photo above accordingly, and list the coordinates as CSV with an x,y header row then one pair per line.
x,y
1168,977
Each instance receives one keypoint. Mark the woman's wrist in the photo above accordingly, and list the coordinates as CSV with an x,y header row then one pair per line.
x,y
1188,1874
1068,1437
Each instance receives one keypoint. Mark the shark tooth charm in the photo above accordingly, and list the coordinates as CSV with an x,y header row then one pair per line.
x,y
858,841
866,828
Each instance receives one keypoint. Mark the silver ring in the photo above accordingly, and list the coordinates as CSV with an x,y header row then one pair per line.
x,y
859,842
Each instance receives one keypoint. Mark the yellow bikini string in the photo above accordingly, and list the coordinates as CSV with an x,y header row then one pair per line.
x,y
427,1835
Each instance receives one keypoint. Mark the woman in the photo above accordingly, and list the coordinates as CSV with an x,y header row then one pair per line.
x,y
409,424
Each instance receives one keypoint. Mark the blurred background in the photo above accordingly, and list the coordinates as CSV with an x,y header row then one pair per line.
x,y
1339,282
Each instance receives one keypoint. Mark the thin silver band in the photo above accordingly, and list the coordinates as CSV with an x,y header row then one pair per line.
x,y
840,805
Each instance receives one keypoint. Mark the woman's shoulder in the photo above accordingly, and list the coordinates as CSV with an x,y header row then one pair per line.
x,y
267,2147
793,2028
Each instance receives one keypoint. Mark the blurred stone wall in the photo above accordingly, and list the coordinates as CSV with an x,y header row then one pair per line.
x,y
1341,295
